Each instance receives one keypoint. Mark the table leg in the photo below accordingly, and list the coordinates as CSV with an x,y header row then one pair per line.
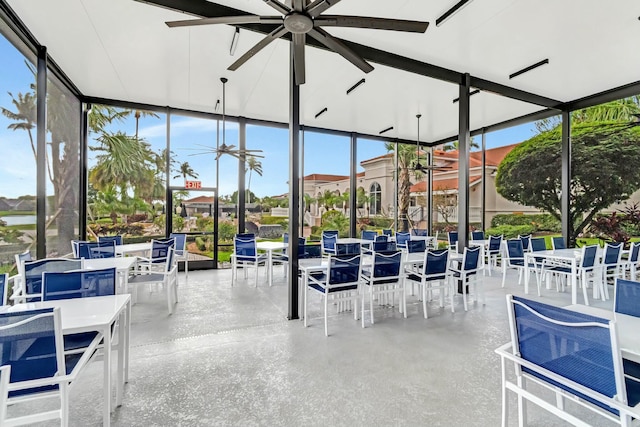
x,y
121,357
574,282
270,267
107,377
527,273
127,330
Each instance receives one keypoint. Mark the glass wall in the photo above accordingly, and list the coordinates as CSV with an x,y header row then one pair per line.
x,y
376,185
18,145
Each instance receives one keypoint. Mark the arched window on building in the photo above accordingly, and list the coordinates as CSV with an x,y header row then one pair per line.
x,y
375,199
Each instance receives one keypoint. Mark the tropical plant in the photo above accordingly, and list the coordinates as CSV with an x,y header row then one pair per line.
x,y
308,201
329,200
336,220
253,165
605,156
453,146
185,170
407,155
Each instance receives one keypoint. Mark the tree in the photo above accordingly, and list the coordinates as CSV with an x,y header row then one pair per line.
x,y
605,156
185,170
454,146
445,202
328,199
253,165
308,201
407,155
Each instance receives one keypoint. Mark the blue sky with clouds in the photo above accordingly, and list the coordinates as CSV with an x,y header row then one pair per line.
x,y
192,140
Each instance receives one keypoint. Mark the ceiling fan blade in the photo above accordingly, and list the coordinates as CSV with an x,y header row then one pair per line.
x,y
230,147
275,34
337,46
230,20
298,58
280,7
374,23
319,6
298,5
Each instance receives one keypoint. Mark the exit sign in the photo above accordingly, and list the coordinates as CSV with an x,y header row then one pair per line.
x,y
193,185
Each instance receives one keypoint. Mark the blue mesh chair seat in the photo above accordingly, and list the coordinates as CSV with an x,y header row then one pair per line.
x,y
32,346
383,279
78,284
612,266
33,275
493,251
434,275
340,281
477,235
387,232
514,259
558,243
117,240
384,246
368,235
466,273
630,263
416,246
627,297
570,354
347,248
245,255
452,237
419,232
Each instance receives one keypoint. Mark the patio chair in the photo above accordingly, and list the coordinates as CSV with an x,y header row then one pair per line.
x,y
181,252
384,246
452,237
4,286
245,255
419,232
32,280
32,345
558,243
328,242
116,239
96,250
416,246
5,373
477,235
347,248
611,266
340,282
401,239
167,277
467,274
493,252
588,269
568,356
160,249
368,235
381,238
626,297
382,279
433,275
526,242
630,264
387,232
514,259
78,284
312,251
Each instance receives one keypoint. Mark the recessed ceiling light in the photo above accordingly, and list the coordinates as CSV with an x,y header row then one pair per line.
x,y
385,130
321,112
529,68
352,88
449,13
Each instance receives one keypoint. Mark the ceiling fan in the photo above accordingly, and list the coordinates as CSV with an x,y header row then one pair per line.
x,y
419,167
224,148
302,17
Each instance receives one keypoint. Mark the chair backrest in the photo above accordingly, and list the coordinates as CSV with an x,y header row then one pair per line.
x,y
453,237
285,237
419,232
368,235
635,251
514,249
4,285
32,346
558,243
471,258
94,250
612,253
494,244
538,244
526,242
180,242
589,254
344,269
416,246
33,273
347,248
312,251
627,297
386,264
116,239
78,284
387,232
575,346
382,238
402,238
477,235
301,247
160,250
21,259
244,248
436,262
329,238
384,246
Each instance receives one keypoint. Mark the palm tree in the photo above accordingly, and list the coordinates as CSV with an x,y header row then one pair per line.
x,y
407,155
24,116
185,170
253,165
455,144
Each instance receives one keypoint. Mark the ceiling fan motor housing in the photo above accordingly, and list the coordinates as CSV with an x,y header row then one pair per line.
x,y
298,23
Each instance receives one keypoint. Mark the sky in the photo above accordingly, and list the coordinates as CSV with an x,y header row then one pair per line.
x,y
192,140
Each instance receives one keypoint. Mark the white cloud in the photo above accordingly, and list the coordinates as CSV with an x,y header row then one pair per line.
x,y
182,126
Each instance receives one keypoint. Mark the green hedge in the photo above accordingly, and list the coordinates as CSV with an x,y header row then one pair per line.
x,y
272,220
539,222
510,231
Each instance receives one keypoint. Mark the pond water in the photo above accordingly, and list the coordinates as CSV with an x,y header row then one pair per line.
x,y
19,219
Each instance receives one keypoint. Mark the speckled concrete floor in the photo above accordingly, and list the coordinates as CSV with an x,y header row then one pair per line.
x,y
228,357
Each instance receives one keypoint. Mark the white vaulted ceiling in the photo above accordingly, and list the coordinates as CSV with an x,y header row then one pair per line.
x,y
122,50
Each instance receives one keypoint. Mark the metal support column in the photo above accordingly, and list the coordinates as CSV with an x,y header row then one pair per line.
x,y
483,180
430,193
303,203
84,173
395,191
242,166
294,190
353,232
41,149
464,140
168,200
216,200
565,202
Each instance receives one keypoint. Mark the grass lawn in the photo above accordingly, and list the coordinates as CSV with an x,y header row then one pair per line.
x,y
13,213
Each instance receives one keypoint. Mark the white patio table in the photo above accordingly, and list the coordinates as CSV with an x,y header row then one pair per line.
x,y
96,314
269,248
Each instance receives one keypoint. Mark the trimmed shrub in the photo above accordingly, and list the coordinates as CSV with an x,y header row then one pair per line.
x,y
510,231
273,220
539,222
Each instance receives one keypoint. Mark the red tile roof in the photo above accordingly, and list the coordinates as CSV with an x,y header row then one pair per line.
x,y
325,177
199,199
441,184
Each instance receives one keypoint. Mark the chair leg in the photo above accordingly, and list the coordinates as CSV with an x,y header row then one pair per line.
x,y
326,323
362,306
371,300
504,274
306,286
424,298
464,292
186,267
